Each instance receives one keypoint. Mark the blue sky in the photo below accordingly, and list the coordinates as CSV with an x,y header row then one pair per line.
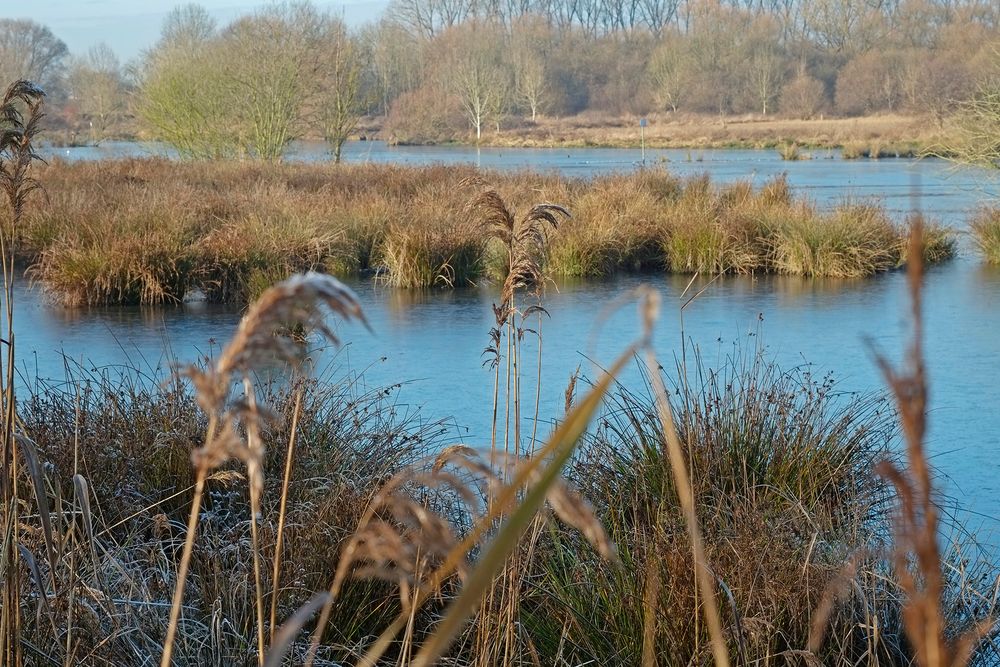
x,y
129,26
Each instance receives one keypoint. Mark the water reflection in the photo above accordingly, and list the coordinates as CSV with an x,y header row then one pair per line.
x,y
988,274
794,289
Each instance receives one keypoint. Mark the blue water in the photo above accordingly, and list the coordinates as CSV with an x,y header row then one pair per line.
x,y
432,340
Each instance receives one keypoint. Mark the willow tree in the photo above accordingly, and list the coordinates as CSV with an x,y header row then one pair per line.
x,y
272,64
530,45
977,137
975,129
341,100
241,91
184,99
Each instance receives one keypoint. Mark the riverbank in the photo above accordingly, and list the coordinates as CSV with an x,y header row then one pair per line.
x,y
153,231
881,136
887,135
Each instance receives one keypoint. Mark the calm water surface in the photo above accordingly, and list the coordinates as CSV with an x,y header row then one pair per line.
x,y
826,178
432,340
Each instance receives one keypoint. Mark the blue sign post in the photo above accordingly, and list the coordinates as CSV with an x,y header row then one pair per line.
x,y
642,138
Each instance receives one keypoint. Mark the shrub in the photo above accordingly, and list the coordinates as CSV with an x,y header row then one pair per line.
x,y
803,97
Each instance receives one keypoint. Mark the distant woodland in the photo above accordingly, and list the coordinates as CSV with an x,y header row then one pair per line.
x,y
440,70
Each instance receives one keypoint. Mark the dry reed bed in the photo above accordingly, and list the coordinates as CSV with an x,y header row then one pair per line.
x,y
783,471
985,226
147,231
131,438
760,473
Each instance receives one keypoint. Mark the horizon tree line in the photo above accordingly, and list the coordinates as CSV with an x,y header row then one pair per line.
x,y
445,69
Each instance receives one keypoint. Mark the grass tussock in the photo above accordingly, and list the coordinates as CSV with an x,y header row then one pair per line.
x,y
779,464
432,245
855,241
147,231
790,152
985,227
937,242
130,442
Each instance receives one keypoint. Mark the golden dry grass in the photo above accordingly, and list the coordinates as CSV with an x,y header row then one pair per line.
x,y
146,231
985,227
736,516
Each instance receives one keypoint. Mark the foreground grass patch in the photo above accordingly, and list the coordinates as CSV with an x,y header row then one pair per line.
x,y
132,439
782,467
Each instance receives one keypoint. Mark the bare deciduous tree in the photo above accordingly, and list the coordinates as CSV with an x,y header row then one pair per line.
x,y
530,82
394,58
670,71
475,71
97,86
341,99
30,51
870,82
764,63
428,18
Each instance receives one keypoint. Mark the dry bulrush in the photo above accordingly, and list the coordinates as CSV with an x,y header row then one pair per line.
x,y
917,555
20,118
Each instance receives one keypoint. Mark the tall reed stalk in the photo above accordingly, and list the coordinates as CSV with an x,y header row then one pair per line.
x,y
917,554
300,299
523,242
20,118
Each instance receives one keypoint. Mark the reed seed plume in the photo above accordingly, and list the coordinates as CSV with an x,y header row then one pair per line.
x,y
20,122
305,299
917,522
402,539
523,239
522,245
